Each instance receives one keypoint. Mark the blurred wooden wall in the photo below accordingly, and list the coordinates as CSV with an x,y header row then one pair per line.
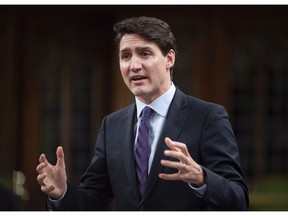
x,y
59,74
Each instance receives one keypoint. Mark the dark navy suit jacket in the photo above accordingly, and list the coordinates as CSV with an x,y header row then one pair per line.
x,y
204,127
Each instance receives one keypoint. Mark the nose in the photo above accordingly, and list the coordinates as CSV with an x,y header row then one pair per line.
x,y
135,64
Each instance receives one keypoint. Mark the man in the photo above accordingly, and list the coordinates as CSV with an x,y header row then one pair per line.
x,y
191,161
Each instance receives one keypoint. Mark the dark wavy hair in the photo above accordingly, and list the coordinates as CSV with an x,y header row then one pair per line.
x,y
149,28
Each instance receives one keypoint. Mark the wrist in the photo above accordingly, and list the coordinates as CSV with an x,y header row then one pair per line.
x,y
202,179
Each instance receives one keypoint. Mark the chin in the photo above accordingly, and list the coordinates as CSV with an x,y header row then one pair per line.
x,y
139,93
138,90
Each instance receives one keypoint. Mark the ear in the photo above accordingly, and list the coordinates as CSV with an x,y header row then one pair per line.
x,y
170,59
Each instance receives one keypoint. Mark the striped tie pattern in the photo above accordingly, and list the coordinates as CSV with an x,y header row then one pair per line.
x,y
142,149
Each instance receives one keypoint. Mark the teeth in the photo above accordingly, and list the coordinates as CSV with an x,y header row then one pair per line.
x,y
138,77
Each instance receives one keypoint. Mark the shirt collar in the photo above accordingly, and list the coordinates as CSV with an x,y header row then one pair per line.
x,y
160,104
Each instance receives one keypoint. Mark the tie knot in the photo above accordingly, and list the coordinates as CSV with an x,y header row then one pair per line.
x,y
146,112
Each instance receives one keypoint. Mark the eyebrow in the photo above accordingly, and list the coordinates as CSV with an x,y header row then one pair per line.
x,y
137,49
124,50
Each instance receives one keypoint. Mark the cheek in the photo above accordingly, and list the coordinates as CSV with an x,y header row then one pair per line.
x,y
124,66
159,73
123,69
124,74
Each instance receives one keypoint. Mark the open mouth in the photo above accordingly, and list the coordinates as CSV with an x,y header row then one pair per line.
x,y
138,78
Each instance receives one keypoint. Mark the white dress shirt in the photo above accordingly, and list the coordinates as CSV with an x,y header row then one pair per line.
x,y
157,119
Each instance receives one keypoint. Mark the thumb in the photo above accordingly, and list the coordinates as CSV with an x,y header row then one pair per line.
x,y
60,157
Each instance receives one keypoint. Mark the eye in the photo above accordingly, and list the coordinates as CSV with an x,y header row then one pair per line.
x,y
125,56
145,54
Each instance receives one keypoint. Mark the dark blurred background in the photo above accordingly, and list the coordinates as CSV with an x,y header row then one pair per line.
x,y
59,77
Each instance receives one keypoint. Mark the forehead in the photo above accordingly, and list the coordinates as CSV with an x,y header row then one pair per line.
x,y
132,41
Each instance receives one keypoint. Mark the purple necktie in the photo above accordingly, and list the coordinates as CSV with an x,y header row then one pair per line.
x,y
142,148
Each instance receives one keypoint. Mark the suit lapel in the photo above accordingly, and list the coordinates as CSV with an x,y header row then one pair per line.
x,y
127,131
175,120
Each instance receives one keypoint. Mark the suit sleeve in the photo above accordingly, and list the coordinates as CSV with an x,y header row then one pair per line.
x,y
94,190
226,188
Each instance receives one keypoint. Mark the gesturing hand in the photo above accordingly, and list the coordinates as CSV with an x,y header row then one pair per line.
x,y
188,170
52,179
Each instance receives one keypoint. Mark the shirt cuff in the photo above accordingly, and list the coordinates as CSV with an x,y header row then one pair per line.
x,y
199,191
54,203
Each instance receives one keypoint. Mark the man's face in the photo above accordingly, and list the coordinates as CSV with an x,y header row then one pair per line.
x,y
144,69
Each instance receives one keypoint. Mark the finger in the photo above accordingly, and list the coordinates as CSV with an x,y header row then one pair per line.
x,y
177,155
171,144
173,164
48,189
177,146
42,159
40,179
60,157
40,167
174,176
